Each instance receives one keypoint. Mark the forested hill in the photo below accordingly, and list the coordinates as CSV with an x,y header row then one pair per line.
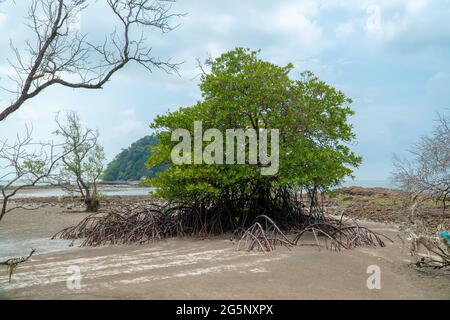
x,y
129,164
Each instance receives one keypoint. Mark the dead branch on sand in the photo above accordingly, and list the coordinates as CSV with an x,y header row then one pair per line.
x,y
437,248
12,264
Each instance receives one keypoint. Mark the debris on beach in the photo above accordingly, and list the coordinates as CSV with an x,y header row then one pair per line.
x,y
13,263
436,245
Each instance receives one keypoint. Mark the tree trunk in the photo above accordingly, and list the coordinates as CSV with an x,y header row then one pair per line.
x,y
3,209
92,204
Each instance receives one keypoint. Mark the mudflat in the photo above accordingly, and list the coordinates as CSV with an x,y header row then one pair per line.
x,y
203,268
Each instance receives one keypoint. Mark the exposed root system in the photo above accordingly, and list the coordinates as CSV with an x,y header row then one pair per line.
x,y
339,234
264,235
153,222
130,225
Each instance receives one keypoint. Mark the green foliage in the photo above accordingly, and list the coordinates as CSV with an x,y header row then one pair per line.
x,y
129,165
243,91
36,167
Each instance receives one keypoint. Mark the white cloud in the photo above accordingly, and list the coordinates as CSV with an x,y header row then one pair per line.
x,y
437,88
128,113
297,22
3,18
292,23
416,6
215,49
223,23
128,122
345,30
296,16
408,25
7,70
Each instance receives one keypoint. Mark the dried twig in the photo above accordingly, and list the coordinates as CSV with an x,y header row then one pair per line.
x,y
437,248
13,263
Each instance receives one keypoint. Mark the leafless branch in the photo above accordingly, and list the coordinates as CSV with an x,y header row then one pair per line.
x,y
61,55
428,173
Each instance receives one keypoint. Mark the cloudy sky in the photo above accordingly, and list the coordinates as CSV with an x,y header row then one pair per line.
x,y
390,56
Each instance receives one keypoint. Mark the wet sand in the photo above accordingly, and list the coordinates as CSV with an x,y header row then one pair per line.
x,y
206,269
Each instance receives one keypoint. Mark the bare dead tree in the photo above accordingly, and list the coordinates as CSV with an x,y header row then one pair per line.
x,y
428,173
61,55
82,164
26,163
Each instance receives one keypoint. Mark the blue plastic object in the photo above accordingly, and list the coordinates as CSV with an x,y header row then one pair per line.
x,y
445,235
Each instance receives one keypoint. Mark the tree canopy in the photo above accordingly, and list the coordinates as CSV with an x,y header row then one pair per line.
x,y
243,91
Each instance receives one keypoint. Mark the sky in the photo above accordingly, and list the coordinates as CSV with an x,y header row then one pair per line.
x,y
390,56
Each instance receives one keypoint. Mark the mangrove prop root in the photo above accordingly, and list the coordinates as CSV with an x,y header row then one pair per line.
x,y
141,224
264,238
12,264
340,234
149,222
264,235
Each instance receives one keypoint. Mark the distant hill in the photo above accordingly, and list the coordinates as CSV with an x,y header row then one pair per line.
x,y
129,164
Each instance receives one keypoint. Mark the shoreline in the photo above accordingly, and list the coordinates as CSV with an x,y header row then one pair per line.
x,y
121,184
40,193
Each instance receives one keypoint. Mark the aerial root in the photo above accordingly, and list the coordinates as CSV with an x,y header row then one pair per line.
x,y
340,235
264,238
264,235
125,225
141,224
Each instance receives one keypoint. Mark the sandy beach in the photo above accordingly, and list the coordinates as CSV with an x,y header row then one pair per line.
x,y
202,268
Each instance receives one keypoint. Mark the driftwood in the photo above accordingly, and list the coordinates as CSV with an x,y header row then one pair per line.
x,y
13,263
437,248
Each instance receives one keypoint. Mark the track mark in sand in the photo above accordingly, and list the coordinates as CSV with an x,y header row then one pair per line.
x,y
165,262
241,267
374,254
